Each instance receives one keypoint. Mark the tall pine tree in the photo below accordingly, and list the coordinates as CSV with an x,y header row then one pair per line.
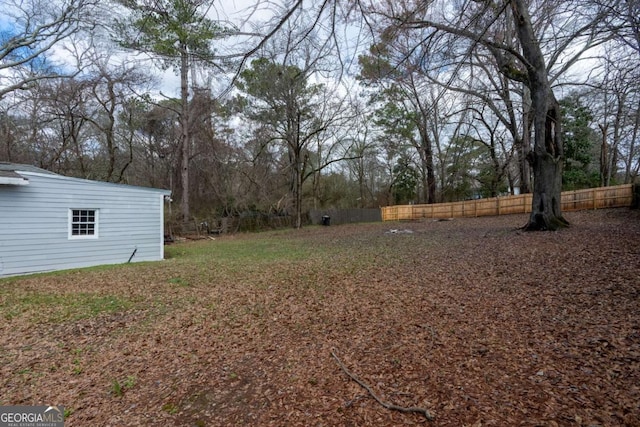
x,y
176,33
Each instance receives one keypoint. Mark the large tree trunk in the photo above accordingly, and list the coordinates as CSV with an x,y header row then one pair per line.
x,y
525,147
298,167
429,177
546,213
604,156
298,201
426,155
184,136
632,149
546,157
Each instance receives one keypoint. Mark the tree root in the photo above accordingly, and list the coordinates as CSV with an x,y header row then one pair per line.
x,y
386,405
541,222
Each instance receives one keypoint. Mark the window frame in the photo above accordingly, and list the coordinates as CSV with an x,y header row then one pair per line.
x,y
95,223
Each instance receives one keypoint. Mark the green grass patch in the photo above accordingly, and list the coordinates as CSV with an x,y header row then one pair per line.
x,y
170,408
304,261
179,281
255,249
46,307
118,388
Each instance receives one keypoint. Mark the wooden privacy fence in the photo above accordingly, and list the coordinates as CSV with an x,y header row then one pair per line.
x,y
592,198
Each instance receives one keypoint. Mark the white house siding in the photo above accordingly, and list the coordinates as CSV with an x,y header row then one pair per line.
x,y
34,224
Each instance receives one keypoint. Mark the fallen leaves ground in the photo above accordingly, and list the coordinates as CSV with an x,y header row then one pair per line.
x,y
473,320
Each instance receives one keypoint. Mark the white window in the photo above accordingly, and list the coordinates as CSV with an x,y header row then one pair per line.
x,y
83,223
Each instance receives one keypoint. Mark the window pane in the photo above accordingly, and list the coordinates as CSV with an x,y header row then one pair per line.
x,y
83,222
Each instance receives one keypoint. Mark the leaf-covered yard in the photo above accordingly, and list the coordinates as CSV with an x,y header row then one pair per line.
x,y
472,320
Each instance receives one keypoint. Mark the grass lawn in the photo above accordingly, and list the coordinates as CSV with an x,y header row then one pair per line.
x,y
472,320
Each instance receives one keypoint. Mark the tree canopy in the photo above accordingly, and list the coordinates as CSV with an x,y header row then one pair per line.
x,y
286,107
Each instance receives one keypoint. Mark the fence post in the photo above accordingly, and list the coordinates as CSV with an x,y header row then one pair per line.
x,y
635,201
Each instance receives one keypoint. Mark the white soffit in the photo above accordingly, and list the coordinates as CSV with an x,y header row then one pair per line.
x,y
12,178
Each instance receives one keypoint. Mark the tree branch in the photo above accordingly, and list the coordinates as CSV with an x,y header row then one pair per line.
x,y
265,39
470,35
384,404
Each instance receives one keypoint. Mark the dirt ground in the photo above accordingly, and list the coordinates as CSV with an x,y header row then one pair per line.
x,y
472,320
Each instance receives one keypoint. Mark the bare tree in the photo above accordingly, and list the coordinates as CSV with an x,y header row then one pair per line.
x,y
536,61
153,129
619,90
37,27
409,112
543,48
616,99
291,90
110,88
62,106
300,114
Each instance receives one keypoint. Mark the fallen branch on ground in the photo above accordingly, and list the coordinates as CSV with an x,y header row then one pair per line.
x,y
386,405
